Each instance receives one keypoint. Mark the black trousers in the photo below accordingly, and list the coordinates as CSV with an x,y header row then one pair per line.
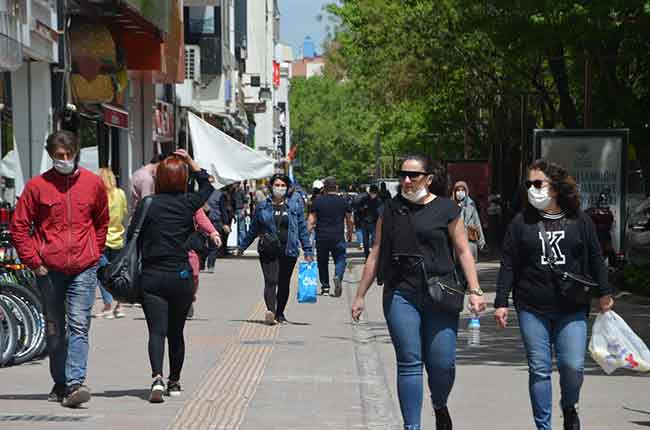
x,y
166,302
277,282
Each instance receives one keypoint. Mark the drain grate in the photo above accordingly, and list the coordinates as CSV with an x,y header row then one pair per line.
x,y
44,418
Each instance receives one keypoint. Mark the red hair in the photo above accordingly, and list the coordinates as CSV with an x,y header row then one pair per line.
x,y
171,176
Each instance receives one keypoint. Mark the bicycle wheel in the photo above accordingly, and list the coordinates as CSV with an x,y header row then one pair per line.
x,y
9,329
31,341
32,300
25,329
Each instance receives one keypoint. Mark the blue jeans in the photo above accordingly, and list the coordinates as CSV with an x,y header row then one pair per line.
x,y
68,302
420,337
325,247
359,234
566,334
241,229
368,237
108,257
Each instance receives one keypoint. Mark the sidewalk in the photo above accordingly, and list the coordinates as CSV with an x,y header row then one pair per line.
x,y
320,372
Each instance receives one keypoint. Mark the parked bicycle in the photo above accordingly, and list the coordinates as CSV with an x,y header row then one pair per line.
x,y
22,318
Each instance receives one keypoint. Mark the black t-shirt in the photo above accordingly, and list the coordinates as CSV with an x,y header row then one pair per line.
x,y
330,211
371,209
281,217
431,223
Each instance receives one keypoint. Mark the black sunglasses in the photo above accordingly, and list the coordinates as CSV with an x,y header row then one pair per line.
x,y
403,174
537,183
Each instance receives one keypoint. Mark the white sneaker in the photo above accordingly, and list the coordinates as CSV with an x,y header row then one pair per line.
x,y
157,391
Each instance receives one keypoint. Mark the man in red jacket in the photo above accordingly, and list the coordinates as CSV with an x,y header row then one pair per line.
x,y
59,230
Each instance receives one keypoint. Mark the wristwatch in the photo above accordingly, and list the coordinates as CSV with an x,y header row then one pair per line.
x,y
476,291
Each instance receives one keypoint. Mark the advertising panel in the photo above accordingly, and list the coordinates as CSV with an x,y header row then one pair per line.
x,y
597,160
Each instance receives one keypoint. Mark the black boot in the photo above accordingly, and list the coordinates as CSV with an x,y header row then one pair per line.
x,y
443,420
571,419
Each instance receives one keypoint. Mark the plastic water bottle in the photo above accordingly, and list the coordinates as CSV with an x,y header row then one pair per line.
x,y
474,329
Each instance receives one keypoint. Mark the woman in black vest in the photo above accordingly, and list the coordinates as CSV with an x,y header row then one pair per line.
x,y
552,317
417,236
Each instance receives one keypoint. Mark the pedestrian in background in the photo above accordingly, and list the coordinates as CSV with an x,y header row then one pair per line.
x,y
420,231
384,194
470,217
166,277
59,231
357,213
552,317
118,211
217,215
329,215
371,208
239,210
279,223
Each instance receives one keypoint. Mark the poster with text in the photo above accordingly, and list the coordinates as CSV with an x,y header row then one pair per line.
x,y
596,159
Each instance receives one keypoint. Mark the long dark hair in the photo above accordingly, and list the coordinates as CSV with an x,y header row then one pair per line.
x,y
436,169
564,185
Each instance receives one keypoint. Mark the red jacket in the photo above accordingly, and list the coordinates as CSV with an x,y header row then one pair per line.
x,y
61,221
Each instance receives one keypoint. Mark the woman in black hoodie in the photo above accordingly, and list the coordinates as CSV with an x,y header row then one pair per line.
x,y
552,312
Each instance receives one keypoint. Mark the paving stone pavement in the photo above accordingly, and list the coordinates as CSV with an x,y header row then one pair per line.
x,y
319,372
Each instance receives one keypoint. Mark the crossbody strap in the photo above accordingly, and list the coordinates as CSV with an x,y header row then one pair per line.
x,y
146,203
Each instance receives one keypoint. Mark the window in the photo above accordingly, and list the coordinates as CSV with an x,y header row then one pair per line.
x,y
202,21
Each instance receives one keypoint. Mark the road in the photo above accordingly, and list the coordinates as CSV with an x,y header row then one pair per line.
x,y
320,372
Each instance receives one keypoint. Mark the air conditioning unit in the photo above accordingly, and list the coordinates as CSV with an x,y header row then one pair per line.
x,y
193,63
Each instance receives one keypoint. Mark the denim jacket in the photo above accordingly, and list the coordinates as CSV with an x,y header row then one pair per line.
x,y
264,222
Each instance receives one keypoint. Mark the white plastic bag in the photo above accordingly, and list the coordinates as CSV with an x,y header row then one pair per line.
x,y
614,345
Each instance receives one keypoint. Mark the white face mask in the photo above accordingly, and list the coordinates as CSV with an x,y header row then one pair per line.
x,y
539,198
460,195
279,191
415,196
64,167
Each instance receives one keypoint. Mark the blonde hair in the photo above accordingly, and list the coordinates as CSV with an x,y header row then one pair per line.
x,y
109,179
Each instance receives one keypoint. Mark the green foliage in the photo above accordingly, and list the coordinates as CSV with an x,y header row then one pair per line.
x,y
333,128
459,78
637,278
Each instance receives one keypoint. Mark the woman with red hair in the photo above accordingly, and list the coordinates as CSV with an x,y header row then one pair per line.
x,y
166,272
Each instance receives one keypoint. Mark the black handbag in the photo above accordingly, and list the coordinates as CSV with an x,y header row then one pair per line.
x,y
269,246
120,278
576,288
447,292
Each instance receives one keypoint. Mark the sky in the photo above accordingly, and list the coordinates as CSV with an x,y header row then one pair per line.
x,y
299,19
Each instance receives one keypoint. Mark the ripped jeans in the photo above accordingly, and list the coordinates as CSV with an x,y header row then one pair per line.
x,y
68,303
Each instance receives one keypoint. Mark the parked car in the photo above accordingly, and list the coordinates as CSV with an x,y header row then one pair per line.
x,y
637,243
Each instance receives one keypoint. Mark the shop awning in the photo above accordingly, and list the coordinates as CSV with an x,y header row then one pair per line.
x,y
227,159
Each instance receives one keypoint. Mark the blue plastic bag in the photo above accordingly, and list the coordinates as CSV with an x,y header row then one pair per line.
x,y
307,282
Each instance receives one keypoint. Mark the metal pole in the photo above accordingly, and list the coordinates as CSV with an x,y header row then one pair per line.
x,y
589,76
377,156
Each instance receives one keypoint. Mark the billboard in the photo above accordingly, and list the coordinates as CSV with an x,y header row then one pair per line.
x,y
597,160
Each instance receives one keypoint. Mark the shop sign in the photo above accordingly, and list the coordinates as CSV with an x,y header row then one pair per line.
x,y
255,107
276,74
597,161
115,117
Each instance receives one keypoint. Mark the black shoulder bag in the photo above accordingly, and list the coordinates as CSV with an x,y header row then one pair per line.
x,y
120,278
576,288
269,246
